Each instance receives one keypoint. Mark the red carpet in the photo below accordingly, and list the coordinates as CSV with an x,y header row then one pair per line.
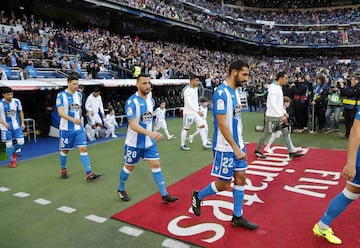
x,y
284,197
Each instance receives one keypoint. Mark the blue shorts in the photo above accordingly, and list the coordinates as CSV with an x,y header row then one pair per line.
x,y
225,164
9,135
71,139
132,155
356,180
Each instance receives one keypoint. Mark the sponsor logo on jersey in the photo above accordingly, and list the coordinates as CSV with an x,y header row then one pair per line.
x,y
237,111
146,117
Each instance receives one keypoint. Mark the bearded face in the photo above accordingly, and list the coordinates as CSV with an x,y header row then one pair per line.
x,y
241,76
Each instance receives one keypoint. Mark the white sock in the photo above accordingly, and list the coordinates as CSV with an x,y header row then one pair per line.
x,y
183,136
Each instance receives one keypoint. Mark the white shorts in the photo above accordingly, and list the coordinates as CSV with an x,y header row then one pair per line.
x,y
160,124
188,119
95,119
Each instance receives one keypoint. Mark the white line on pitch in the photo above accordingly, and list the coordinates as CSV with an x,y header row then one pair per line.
x,y
4,189
21,194
66,209
42,201
95,218
170,243
131,231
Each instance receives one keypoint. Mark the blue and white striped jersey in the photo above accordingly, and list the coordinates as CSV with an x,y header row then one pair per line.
x,y
141,110
227,101
72,107
9,112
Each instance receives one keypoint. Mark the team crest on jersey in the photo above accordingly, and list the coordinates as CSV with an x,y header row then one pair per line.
x,y
220,105
74,107
146,117
58,101
237,111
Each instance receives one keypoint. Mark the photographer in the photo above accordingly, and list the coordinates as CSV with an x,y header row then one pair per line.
x,y
299,93
319,102
351,94
334,106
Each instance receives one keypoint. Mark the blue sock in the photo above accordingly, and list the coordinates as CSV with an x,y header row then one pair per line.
x,y
159,180
9,153
336,207
16,147
238,194
208,190
85,161
124,174
63,160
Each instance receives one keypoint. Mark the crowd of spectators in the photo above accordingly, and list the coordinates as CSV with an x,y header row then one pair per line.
x,y
262,26
94,50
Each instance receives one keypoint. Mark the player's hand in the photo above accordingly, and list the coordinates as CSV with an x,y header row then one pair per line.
x,y
77,121
239,154
22,126
156,136
284,118
349,172
201,114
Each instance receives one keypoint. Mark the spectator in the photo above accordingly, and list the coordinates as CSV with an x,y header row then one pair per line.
x,y
333,107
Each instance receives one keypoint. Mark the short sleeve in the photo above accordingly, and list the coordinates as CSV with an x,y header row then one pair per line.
x,y
130,109
219,102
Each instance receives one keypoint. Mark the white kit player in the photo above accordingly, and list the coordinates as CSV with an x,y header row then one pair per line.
x,y
95,111
192,113
160,121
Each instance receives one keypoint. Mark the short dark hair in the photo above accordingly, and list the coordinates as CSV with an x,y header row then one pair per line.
x,y
73,76
280,75
142,75
6,90
97,89
193,76
204,99
238,65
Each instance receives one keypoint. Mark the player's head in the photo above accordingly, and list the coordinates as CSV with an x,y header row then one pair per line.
x,y
194,80
7,93
162,104
73,82
111,111
143,84
282,78
239,72
287,101
96,92
204,101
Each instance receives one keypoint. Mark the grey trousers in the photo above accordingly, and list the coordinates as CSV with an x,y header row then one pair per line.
x,y
270,124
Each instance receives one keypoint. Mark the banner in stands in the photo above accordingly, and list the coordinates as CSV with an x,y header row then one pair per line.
x,y
44,84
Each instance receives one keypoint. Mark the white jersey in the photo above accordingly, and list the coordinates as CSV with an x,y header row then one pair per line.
x,y
275,101
160,114
94,104
191,100
204,111
110,121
